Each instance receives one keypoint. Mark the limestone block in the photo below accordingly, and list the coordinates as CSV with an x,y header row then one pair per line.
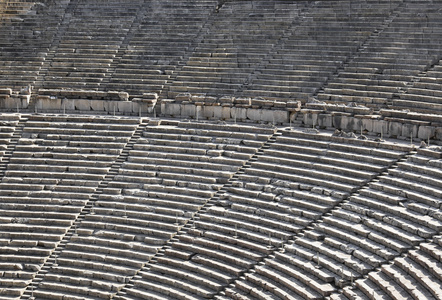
x,y
394,129
349,123
294,105
268,116
151,96
46,103
367,124
188,110
409,130
438,133
340,120
67,105
83,104
110,106
281,116
243,101
170,109
226,99
225,112
6,91
24,100
218,111
258,102
380,126
97,105
238,113
198,98
183,97
325,120
309,119
207,112
210,99
280,104
254,114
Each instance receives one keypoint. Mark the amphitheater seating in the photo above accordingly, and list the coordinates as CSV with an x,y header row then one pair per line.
x,y
81,61
98,207
278,196
159,45
236,41
416,275
149,200
311,54
356,239
424,95
8,125
379,75
56,166
26,34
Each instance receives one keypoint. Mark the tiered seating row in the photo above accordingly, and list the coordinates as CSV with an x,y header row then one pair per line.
x,y
25,40
90,43
270,202
56,166
377,225
425,94
417,275
171,172
319,44
237,39
378,76
160,43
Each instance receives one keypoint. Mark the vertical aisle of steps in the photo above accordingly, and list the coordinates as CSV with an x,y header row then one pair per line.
x,y
393,14
311,226
287,33
423,73
190,51
349,286
142,10
63,26
210,202
12,144
87,209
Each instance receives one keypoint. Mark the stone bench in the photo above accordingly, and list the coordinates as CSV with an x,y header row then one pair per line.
x,y
163,202
307,176
55,291
304,285
168,281
145,287
280,212
253,223
132,223
418,192
420,275
405,281
320,166
217,254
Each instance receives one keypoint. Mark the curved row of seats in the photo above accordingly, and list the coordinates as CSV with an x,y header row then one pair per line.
x,y
415,275
293,184
158,44
89,44
25,38
318,44
235,42
391,217
381,73
171,172
55,167
258,213
206,48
